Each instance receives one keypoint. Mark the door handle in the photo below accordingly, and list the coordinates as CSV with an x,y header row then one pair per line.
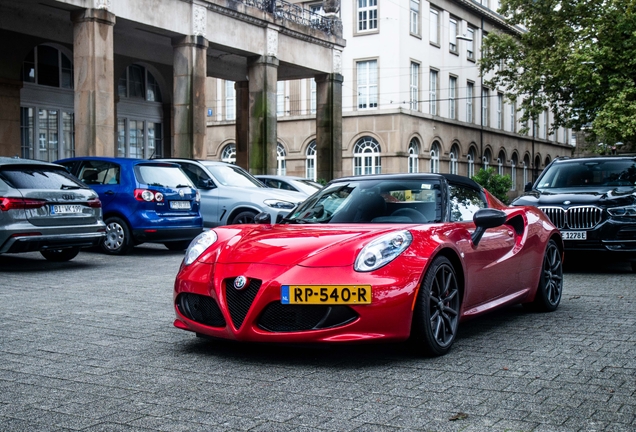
x,y
109,192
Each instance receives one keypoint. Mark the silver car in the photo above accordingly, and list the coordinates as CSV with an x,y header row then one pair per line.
x,y
291,183
44,208
230,195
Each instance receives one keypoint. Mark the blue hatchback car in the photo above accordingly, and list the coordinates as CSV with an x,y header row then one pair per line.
x,y
142,201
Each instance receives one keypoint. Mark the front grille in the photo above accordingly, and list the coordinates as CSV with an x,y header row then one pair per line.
x,y
240,301
583,217
199,308
279,317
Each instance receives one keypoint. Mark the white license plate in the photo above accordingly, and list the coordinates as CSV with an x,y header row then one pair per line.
x,y
574,235
66,209
180,205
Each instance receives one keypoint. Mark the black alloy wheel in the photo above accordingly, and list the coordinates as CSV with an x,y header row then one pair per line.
x,y
550,286
436,315
244,217
60,255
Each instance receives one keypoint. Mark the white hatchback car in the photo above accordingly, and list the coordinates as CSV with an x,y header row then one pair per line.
x,y
230,195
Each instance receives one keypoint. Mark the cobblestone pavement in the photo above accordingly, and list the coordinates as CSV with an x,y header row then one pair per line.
x,y
89,345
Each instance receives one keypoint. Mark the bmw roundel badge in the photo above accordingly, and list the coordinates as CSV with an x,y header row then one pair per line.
x,y
181,193
240,282
567,202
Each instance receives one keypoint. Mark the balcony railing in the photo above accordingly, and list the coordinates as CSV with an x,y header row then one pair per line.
x,y
295,13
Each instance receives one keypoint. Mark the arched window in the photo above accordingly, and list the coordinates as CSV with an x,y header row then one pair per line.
x,y
513,171
454,155
140,119
281,163
435,149
366,157
526,165
47,105
501,159
486,159
414,150
229,153
310,162
471,162
547,161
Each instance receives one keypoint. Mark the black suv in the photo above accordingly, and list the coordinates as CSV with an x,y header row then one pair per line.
x,y
592,201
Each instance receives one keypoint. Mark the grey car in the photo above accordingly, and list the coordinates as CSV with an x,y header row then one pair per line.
x,y
290,183
44,208
231,195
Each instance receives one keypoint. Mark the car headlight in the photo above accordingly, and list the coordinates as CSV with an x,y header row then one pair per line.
x,y
279,204
382,251
627,211
199,245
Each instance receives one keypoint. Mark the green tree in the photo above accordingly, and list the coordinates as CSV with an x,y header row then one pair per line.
x,y
575,57
496,184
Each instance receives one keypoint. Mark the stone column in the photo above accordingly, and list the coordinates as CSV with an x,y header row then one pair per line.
x,y
94,82
262,133
329,126
242,123
189,107
10,117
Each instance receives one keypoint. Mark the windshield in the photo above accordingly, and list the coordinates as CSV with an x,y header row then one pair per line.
x,y
166,176
229,175
589,174
373,201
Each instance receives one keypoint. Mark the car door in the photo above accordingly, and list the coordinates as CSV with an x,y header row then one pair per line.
x,y
488,264
208,191
103,177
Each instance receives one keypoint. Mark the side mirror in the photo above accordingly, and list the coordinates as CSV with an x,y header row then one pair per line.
x,y
206,184
527,187
484,219
263,218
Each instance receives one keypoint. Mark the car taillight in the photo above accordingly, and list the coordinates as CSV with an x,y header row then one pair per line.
x,y
7,204
94,203
148,195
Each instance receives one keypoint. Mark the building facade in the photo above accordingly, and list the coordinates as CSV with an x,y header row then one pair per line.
x,y
412,99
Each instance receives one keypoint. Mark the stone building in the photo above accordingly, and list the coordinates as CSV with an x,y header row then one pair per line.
x,y
128,77
412,99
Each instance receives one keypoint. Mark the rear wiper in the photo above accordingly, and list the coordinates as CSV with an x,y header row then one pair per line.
x,y
66,187
180,186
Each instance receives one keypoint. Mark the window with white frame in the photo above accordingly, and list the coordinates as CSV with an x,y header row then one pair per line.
x,y
281,162
312,96
310,161
470,93
367,78
486,159
470,44
526,164
230,101
432,95
280,98
228,154
138,138
485,95
452,97
471,162
452,35
454,155
435,150
318,10
414,150
415,17
366,157
414,85
367,15
513,171
513,116
434,26
545,125
500,104
501,160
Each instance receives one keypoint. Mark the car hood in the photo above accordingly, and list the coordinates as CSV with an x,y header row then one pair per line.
x,y
609,196
287,245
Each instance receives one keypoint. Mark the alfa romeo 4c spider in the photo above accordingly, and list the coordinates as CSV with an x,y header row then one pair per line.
x,y
381,257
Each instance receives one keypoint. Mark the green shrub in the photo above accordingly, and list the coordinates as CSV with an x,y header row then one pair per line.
x,y
497,185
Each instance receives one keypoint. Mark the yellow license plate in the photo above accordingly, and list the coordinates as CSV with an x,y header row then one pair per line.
x,y
326,294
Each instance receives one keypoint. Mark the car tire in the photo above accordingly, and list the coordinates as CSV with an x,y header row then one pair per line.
x,y
60,255
118,239
550,287
244,217
436,313
177,245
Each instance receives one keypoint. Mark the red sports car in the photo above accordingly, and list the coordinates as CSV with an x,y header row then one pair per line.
x,y
379,257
